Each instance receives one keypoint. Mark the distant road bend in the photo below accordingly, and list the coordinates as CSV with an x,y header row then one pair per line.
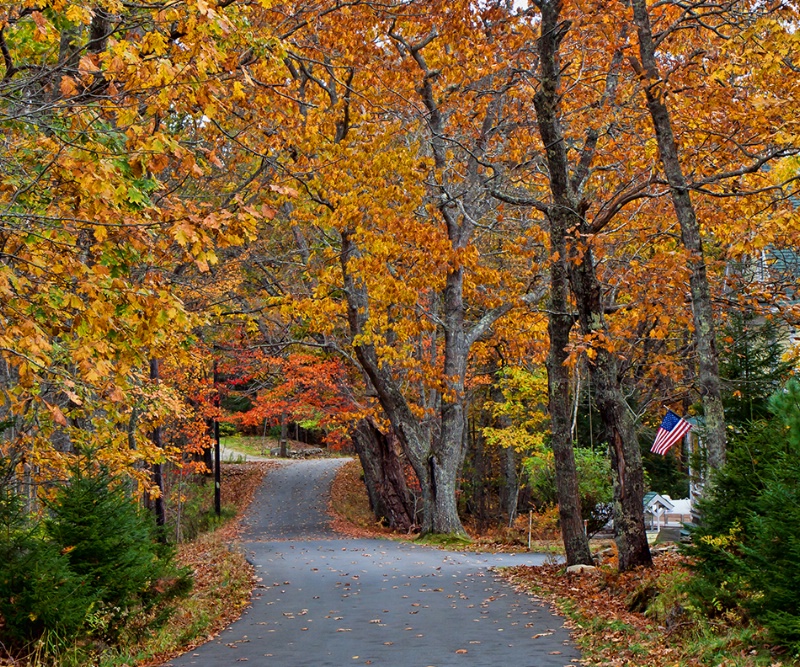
x,y
324,600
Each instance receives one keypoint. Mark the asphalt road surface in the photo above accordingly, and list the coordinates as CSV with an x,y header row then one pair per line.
x,y
323,600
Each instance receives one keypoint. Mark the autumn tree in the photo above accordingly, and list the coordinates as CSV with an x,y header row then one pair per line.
x,y
574,157
739,82
605,135
97,104
298,387
390,121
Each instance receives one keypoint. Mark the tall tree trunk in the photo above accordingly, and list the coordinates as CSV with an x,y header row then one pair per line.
x,y
577,267
449,446
702,310
404,424
389,496
560,320
626,457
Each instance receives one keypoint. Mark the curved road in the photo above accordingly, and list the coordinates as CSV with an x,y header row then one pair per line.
x,y
324,601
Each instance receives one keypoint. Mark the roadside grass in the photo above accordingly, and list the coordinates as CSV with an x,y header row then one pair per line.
x,y
644,618
250,445
256,445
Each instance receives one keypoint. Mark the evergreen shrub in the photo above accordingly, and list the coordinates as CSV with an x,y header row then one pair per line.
x,y
746,549
39,592
112,543
91,570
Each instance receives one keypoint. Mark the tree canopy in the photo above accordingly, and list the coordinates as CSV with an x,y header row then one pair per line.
x,y
369,208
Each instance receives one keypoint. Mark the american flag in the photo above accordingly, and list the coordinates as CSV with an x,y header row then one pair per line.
x,y
672,429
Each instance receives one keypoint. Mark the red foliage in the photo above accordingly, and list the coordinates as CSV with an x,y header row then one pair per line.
x,y
298,387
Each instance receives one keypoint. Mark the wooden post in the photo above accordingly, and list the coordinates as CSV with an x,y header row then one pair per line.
x,y
158,472
284,452
217,475
530,527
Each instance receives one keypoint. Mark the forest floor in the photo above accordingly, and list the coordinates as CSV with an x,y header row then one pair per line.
x,y
643,617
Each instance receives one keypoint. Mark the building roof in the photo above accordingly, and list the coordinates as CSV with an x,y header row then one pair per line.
x,y
652,500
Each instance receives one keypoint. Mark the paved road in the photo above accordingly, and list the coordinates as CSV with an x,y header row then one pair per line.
x,y
329,601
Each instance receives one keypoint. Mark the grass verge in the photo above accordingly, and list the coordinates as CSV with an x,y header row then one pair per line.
x,y
250,445
258,446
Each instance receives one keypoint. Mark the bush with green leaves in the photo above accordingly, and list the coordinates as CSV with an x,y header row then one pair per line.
x,y
747,549
112,543
594,484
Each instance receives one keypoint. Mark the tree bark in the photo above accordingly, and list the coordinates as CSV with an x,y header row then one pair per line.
x,y
560,319
576,544
702,310
389,496
575,265
626,457
404,424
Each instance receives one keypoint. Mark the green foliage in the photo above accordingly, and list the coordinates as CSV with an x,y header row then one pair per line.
x,y
38,591
197,514
747,551
594,484
227,429
752,367
111,543
91,570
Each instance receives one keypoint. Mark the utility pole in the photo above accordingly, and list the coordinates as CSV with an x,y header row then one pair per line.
x,y
158,474
217,476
